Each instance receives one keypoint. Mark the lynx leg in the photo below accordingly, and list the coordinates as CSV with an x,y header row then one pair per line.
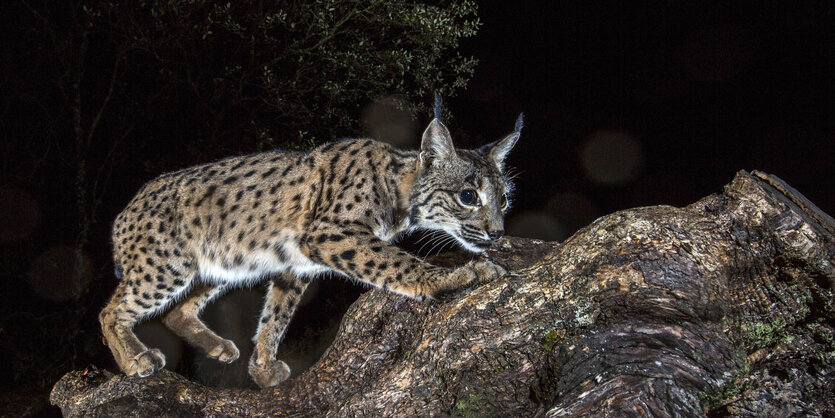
x,y
282,298
184,321
133,357
128,306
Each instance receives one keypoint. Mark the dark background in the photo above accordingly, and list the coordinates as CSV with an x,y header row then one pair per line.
x,y
703,88
625,106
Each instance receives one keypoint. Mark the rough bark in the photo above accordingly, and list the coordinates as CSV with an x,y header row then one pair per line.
x,y
722,307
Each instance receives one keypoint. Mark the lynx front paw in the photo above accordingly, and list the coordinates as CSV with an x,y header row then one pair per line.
x,y
463,278
269,375
146,363
225,352
485,270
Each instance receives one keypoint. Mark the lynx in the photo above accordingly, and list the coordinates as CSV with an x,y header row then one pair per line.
x,y
284,217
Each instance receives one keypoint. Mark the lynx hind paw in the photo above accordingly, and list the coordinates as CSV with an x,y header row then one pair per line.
x,y
225,352
146,363
269,375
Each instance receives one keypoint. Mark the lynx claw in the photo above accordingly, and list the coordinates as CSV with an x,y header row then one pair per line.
x,y
269,375
226,352
146,363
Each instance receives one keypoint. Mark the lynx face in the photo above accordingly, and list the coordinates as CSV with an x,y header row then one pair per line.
x,y
464,193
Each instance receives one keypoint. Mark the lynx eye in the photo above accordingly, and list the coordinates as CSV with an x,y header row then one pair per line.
x,y
468,197
503,202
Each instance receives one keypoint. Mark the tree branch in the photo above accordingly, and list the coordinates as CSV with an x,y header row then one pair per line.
x,y
723,307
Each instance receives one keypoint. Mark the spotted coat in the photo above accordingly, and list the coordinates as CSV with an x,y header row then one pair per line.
x,y
284,217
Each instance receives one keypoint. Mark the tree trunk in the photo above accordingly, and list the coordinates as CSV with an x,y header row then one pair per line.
x,y
722,307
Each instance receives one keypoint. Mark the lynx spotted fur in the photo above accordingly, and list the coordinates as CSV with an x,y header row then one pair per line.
x,y
284,217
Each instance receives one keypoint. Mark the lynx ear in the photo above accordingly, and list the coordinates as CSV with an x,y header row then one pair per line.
x,y
436,143
499,149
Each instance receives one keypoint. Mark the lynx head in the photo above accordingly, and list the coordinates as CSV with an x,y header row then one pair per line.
x,y
464,193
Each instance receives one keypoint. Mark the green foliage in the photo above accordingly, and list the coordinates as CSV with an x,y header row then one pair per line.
x,y
471,406
822,333
761,334
552,338
293,72
728,390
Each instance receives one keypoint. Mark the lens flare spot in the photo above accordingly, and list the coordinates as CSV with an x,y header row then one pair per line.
x,y
389,119
612,157
572,209
60,273
19,214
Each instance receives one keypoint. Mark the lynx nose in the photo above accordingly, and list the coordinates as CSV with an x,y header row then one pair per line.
x,y
495,234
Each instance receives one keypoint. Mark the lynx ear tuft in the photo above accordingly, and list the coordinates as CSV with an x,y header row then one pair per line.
x,y
437,108
520,123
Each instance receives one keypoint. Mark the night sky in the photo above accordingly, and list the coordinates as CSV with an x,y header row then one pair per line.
x,y
625,106
692,91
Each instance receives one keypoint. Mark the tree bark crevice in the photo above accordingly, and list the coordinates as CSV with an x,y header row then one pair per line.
x,y
721,307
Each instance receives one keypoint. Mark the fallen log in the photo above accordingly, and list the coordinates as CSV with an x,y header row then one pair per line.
x,y
721,307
